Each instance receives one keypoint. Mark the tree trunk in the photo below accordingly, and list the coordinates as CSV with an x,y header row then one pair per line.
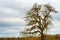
x,y
42,36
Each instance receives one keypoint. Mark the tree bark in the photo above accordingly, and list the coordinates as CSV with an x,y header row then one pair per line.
x,y
42,36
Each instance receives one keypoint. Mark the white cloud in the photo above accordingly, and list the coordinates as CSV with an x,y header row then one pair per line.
x,y
13,20
55,29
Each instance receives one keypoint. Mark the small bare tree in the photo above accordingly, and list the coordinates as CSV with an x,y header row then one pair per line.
x,y
39,17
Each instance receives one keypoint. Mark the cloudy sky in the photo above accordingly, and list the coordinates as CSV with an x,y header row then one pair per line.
x,y
13,11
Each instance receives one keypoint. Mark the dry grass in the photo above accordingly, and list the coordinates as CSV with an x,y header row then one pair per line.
x,y
47,37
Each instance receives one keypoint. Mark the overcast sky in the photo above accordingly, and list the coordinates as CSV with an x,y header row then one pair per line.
x,y
12,12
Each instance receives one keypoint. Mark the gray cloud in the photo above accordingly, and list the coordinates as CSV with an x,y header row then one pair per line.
x,y
17,8
56,16
11,24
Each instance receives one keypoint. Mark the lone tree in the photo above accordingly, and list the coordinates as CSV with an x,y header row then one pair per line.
x,y
39,17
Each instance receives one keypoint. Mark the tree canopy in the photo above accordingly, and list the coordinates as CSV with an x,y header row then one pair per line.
x,y
39,18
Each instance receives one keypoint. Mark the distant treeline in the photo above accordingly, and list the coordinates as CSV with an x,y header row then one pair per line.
x,y
46,37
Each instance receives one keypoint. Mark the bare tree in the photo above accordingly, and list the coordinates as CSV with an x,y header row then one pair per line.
x,y
39,17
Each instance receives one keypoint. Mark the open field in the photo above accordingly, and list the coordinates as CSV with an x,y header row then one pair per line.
x,y
47,37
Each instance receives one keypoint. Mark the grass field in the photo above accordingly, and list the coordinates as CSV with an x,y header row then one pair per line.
x,y
47,37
